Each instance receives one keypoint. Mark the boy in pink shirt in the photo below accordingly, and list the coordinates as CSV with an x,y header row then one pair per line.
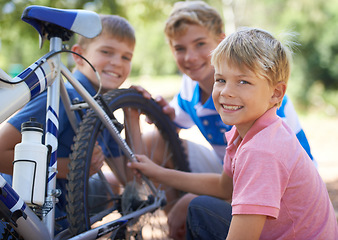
x,y
275,191
277,182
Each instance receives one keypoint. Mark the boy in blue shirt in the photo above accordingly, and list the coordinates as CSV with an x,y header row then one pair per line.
x,y
110,53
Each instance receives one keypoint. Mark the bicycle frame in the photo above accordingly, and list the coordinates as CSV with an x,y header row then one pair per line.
x,y
46,74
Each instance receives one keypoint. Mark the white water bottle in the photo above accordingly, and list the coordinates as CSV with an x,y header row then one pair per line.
x,y
30,164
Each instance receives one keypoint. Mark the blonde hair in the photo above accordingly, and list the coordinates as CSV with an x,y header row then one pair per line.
x,y
258,51
192,12
114,26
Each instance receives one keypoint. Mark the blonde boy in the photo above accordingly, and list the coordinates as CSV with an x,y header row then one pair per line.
x,y
276,190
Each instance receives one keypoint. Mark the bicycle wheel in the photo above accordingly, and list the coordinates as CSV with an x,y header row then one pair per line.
x,y
90,197
8,233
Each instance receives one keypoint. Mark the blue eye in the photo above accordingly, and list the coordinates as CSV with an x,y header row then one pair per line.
x,y
179,49
126,58
200,44
107,53
220,80
244,82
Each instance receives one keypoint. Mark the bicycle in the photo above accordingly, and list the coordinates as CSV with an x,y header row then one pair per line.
x,y
118,212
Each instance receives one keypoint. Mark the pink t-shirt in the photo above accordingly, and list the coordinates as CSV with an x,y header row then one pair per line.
x,y
273,176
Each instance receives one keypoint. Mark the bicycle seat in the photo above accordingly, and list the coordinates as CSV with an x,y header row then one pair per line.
x,y
83,22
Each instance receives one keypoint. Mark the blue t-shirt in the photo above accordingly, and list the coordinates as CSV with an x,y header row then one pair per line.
x,y
190,111
37,109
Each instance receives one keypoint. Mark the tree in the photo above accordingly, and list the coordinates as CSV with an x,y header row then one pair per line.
x,y
19,41
314,22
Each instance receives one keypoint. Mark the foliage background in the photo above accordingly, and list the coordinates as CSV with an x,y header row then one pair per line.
x,y
314,24
313,86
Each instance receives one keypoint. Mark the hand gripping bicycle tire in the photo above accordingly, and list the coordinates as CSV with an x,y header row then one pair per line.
x,y
88,200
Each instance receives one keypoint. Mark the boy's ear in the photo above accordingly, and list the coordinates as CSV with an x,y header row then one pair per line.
x,y
221,37
279,92
78,49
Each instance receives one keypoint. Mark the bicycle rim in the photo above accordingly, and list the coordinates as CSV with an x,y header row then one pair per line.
x,y
88,198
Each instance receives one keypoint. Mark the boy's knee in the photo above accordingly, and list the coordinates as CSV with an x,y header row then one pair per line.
x,y
207,209
200,201
197,206
208,218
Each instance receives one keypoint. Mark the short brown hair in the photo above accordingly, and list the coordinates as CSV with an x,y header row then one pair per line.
x,y
193,12
115,26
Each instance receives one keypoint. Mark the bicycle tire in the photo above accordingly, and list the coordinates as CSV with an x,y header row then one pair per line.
x,y
79,195
9,233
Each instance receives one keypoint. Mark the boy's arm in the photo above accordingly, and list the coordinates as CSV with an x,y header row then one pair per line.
x,y
95,165
9,137
212,184
246,227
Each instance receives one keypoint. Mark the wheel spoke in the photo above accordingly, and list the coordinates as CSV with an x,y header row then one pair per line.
x,y
115,190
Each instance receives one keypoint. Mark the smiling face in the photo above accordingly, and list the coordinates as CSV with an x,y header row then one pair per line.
x,y
240,97
111,59
192,50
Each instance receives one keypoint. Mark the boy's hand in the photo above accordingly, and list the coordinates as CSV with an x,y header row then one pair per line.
x,y
166,108
146,166
140,89
97,160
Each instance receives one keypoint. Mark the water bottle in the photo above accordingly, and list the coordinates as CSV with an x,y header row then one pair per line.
x,y
30,164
